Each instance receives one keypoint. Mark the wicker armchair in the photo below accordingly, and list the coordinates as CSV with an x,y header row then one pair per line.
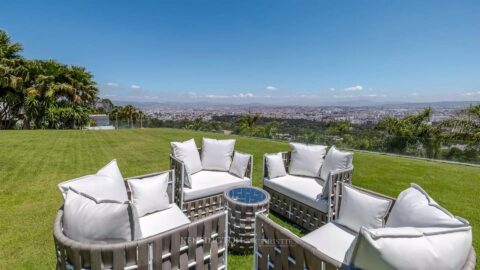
x,y
278,248
201,207
199,244
305,216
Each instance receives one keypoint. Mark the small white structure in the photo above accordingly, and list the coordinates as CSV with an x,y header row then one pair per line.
x,y
101,122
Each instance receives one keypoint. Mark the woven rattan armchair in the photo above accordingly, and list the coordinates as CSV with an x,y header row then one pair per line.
x,y
278,248
205,206
200,244
305,216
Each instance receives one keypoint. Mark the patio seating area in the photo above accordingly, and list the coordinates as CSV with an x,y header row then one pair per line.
x,y
204,207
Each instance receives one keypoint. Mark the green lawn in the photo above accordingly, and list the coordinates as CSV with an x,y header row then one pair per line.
x,y
32,163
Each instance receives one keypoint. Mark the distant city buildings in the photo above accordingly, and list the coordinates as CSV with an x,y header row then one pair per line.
x,y
356,115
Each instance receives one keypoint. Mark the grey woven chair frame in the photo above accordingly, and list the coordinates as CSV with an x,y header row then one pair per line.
x,y
278,248
203,207
305,216
200,244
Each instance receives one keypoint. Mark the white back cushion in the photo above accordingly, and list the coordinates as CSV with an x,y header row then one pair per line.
x,y
335,160
414,208
107,184
412,248
239,164
88,220
306,160
111,170
359,209
149,194
275,165
187,152
217,154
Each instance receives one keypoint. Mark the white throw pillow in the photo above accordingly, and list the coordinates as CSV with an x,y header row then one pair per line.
x,y
412,248
275,165
88,220
187,152
239,164
149,194
306,160
107,184
414,208
217,154
335,160
359,209
111,170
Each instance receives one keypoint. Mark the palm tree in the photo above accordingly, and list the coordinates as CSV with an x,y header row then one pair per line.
x,y
247,123
412,130
43,92
13,74
465,126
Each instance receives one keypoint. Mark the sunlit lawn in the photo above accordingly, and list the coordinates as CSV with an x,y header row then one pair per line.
x,y
33,162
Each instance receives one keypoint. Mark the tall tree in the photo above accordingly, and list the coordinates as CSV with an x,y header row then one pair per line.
x,y
409,132
13,74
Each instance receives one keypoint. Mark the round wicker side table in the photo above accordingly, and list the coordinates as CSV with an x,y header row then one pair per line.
x,y
242,204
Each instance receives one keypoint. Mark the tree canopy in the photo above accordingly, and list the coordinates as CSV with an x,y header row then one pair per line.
x,y
42,93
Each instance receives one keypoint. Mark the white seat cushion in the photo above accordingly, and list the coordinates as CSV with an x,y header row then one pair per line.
x,y
307,190
414,208
162,221
306,159
408,248
208,183
332,240
217,154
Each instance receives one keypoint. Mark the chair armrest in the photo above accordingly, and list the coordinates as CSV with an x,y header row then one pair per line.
x,y
180,172
343,175
277,245
335,177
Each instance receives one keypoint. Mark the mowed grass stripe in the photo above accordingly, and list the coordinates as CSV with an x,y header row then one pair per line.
x,y
32,163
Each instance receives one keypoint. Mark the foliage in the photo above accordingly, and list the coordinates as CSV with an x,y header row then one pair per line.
x,y
411,133
465,126
127,113
42,93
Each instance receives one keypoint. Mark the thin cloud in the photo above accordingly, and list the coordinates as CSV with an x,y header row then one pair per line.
x,y
342,96
332,89
134,86
244,95
353,88
112,84
240,95
271,88
471,94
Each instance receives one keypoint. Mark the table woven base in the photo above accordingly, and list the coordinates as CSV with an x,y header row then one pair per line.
x,y
241,222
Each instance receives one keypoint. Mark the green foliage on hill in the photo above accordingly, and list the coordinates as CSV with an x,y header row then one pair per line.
x,y
33,162
42,93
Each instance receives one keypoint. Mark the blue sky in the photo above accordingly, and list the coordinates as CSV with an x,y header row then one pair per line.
x,y
284,52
